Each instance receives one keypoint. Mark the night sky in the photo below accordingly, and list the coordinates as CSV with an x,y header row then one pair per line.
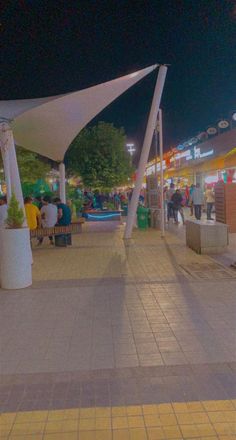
x,y
53,47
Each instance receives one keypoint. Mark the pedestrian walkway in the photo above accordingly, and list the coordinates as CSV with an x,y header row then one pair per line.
x,y
120,340
227,258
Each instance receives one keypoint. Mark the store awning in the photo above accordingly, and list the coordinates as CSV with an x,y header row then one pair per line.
x,y
230,159
48,125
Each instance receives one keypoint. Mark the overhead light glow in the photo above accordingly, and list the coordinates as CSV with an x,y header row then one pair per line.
x,y
223,123
211,130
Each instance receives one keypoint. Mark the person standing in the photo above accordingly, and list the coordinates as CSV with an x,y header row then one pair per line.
x,y
198,200
169,194
49,216
187,195
99,199
3,211
210,199
192,188
117,201
32,213
177,201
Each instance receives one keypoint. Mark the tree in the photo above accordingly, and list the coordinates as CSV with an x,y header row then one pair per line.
x,y
15,214
31,166
98,155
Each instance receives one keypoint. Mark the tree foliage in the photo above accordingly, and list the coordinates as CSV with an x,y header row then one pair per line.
x,y
98,155
31,166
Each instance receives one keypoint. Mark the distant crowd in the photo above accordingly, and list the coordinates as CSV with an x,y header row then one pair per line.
x,y
192,197
45,212
99,200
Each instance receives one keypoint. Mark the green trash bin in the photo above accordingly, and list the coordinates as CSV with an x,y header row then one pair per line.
x,y
142,217
124,207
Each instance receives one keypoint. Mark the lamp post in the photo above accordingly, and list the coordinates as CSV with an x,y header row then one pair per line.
x,y
131,150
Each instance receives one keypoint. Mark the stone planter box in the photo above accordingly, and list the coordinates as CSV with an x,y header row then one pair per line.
x,y
206,237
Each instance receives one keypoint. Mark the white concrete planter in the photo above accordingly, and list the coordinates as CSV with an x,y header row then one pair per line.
x,y
16,258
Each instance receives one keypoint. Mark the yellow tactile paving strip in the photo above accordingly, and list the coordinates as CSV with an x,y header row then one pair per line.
x,y
203,420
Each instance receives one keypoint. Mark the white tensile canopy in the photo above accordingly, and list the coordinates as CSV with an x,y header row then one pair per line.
x,y
48,125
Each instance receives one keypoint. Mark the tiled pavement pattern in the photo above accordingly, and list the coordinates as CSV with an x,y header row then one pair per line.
x,y
205,420
115,329
227,257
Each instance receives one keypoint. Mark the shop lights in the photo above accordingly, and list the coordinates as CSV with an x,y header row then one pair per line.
x,y
180,147
212,131
223,124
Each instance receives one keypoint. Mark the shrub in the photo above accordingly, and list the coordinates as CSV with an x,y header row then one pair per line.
x,y
15,214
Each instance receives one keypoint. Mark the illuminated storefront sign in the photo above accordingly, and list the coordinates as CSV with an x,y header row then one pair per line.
x,y
193,153
198,155
151,169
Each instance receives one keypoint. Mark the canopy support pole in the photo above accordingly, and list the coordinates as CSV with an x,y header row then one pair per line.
x,y
6,165
11,170
161,173
62,182
145,150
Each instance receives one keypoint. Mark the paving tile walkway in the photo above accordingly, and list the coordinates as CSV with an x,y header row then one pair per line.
x,y
120,340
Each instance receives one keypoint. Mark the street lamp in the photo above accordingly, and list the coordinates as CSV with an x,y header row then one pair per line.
x,y
131,149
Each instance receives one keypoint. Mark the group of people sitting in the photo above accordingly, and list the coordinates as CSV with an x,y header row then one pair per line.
x,y
40,212
192,197
46,213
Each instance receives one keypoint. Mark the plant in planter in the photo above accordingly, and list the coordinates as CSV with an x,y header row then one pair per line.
x,y
15,214
16,256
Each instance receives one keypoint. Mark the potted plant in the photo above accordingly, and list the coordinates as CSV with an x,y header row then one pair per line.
x,y
16,254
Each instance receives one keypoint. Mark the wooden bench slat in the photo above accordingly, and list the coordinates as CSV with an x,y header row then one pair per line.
x,y
73,228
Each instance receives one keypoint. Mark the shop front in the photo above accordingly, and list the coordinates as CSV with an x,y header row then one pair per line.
x,y
206,163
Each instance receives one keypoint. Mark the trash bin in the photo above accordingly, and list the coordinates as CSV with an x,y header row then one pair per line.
x,y
61,240
142,217
125,210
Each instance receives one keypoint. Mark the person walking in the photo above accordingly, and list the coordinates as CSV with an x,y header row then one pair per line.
x,y
177,201
169,194
198,200
210,199
48,216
